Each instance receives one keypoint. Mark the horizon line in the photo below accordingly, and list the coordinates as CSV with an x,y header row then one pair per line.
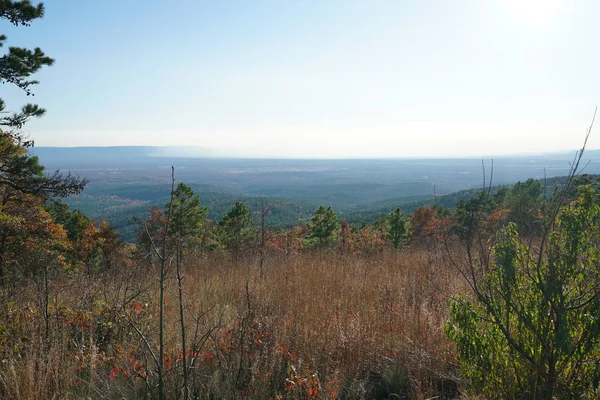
x,y
250,157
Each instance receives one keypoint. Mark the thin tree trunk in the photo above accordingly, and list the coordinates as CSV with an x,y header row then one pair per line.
x,y
161,318
262,240
186,389
550,382
46,301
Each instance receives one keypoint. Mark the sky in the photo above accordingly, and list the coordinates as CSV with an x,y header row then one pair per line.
x,y
317,78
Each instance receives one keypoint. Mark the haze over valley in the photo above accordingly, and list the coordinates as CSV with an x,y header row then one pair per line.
x,y
126,180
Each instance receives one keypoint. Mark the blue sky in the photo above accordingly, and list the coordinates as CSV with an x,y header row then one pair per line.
x,y
317,78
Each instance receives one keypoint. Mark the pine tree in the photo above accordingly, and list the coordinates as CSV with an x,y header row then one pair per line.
x,y
237,229
397,227
323,228
22,178
20,172
187,213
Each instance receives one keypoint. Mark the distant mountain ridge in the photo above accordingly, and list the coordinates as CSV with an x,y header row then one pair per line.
x,y
110,153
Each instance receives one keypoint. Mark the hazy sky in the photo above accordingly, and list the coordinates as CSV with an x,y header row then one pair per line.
x,y
317,78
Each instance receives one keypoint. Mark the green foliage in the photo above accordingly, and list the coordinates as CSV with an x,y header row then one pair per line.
x,y
187,215
21,173
441,211
19,170
19,63
397,227
23,183
525,201
532,328
469,216
323,228
73,221
20,12
237,229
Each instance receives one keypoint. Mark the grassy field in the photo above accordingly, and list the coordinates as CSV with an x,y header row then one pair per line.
x,y
305,325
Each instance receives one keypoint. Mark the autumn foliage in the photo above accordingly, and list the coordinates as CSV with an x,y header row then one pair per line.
x,y
283,318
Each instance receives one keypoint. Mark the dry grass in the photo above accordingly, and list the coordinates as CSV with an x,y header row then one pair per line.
x,y
320,325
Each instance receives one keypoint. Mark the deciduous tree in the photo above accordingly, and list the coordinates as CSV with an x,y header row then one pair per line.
x,y
530,328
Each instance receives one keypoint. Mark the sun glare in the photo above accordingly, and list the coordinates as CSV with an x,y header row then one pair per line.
x,y
534,13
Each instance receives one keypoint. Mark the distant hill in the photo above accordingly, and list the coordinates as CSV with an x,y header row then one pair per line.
x,y
131,154
76,156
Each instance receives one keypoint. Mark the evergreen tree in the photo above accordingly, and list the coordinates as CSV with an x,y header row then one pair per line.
x,y
237,229
525,200
397,227
20,172
323,228
73,221
187,220
22,178
187,215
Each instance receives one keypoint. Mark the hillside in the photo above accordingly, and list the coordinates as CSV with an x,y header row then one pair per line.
x,y
359,204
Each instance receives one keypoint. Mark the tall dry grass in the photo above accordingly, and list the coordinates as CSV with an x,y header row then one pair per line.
x,y
309,325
